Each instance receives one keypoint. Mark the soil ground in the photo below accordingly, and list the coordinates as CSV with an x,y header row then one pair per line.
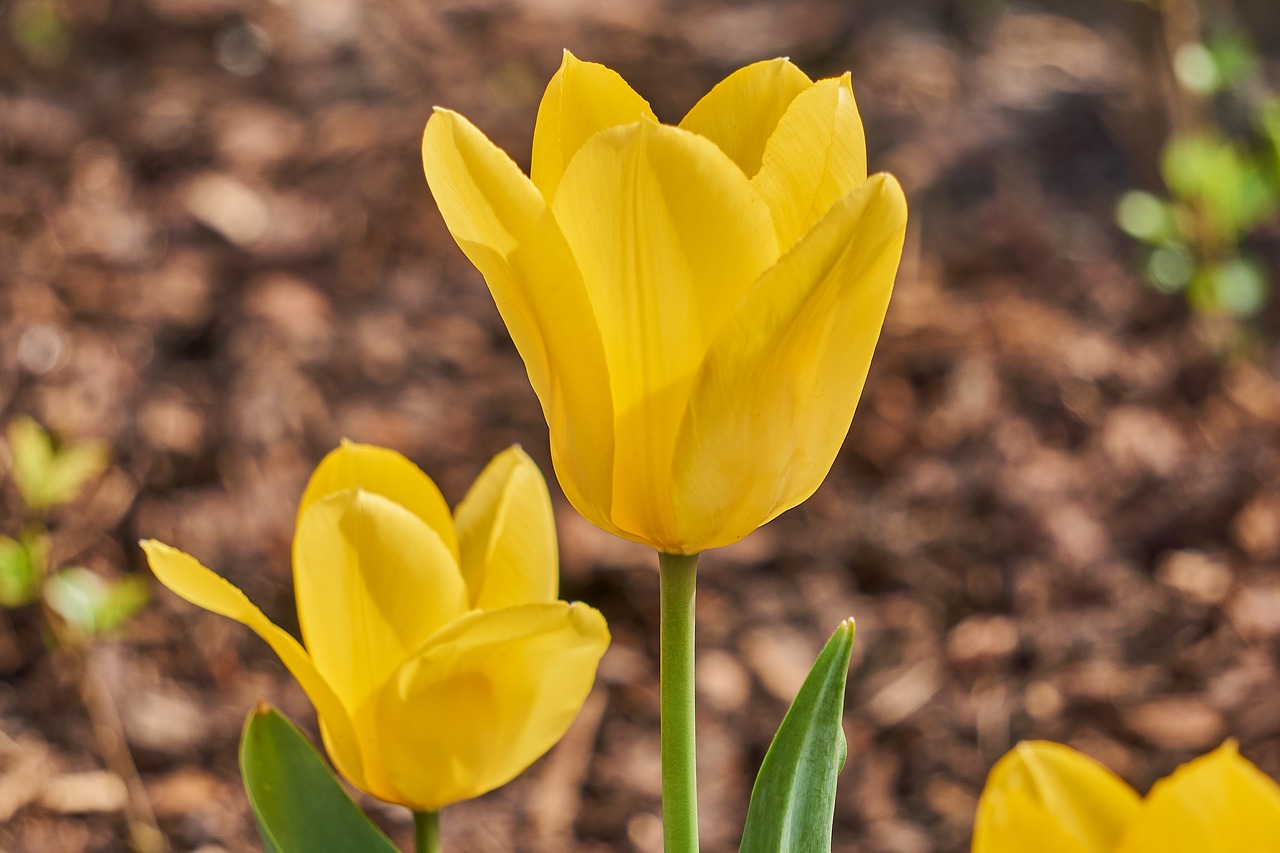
x,y
1057,514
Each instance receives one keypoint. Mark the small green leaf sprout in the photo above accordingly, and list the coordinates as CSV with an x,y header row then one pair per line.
x,y
1223,189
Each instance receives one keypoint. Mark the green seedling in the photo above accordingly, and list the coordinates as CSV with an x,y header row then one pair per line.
x,y
48,474
1222,190
23,564
79,606
93,606
39,32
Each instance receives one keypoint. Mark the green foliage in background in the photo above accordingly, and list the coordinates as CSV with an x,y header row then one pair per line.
x,y
39,32
1222,188
49,475
23,564
92,605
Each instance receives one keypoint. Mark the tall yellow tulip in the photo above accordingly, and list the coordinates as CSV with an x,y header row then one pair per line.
x,y
1051,799
696,305
435,652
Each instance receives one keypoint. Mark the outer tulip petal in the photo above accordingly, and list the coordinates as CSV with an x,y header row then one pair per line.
x,y
1014,821
486,698
1053,785
780,384
741,112
582,99
502,224
815,157
383,472
184,575
668,234
1218,803
507,532
373,581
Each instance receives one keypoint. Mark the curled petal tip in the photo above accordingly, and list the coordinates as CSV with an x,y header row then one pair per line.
x,y
443,113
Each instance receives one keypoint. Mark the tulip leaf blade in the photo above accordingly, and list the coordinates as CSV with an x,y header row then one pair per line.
x,y
299,805
793,800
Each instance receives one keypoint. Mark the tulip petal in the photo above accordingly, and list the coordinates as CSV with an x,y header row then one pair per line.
x,y
502,224
582,99
507,532
780,384
668,234
486,698
1218,803
741,112
373,581
184,575
1049,784
1014,821
815,157
382,472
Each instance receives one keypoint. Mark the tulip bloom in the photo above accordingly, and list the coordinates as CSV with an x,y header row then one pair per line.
x,y
696,305
1049,798
434,650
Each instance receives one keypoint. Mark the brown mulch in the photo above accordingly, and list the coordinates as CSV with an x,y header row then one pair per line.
x,y
1057,514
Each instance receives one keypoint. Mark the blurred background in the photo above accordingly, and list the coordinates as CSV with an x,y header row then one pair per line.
x,y
1057,514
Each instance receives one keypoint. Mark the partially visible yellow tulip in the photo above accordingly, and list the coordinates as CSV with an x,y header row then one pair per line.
x,y
434,650
1051,799
696,306
1049,794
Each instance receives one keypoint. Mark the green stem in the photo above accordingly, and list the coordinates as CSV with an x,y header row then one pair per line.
x,y
677,574
426,832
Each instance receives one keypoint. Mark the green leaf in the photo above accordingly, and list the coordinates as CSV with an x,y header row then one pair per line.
x,y
1169,269
123,598
1236,286
47,475
1269,121
1146,217
75,593
15,572
1196,70
1224,183
23,563
1235,58
92,604
298,802
793,802
40,32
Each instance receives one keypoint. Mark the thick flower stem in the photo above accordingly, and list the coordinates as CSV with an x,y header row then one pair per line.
x,y
426,832
679,777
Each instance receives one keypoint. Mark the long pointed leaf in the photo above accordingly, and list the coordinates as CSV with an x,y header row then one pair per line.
x,y
793,802
298,802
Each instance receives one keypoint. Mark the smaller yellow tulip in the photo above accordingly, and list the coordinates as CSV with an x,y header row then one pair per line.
x,y
436,655
1051,799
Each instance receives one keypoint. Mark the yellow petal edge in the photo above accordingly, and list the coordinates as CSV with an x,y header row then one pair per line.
x,y
185,576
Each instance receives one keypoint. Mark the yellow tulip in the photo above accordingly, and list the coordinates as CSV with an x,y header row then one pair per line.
x,y
1050,794
1049,798
696,305
434,650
